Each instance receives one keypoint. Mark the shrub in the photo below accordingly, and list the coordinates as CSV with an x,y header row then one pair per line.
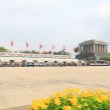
x,y
74,99
105,58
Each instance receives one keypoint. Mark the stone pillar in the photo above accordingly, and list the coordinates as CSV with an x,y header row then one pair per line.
x,y
83,49
106,49
97,48
94,48
87,49
103,49
90,49
100,49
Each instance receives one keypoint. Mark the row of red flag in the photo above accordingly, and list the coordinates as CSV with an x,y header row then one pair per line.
x,y
40,46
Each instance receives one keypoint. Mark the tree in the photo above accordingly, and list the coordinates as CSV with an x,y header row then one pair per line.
x,y
76,49
2,49
105,58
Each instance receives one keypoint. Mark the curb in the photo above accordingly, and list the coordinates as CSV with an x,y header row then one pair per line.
x,y
25,107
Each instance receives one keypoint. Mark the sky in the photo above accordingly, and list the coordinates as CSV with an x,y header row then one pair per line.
x,y
53,22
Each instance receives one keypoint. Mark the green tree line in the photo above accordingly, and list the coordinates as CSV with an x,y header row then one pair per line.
x,y
106,57
3,49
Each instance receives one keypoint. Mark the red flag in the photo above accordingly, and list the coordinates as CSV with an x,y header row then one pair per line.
x,y
64,48
53,47
40,46
27,44
12,43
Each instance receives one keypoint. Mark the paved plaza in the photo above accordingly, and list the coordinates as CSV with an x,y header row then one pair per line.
x,y
20,85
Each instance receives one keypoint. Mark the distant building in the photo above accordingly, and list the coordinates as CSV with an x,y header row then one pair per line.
x,y
92,49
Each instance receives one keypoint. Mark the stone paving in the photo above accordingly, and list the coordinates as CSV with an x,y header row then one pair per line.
x,y
19,86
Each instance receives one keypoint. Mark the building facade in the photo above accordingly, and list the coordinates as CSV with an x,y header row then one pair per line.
x,y
7,57
92,50
30,55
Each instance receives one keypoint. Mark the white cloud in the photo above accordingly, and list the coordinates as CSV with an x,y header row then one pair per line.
x,y
37,2
2,10
57,22
35,5
103,10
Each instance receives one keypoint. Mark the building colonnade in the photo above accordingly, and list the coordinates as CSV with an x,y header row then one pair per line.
x,y
94,48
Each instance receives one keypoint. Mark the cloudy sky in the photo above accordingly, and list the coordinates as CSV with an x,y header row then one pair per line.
x,y
58,22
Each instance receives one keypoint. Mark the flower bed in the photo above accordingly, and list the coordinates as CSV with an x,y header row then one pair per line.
x,y
74,99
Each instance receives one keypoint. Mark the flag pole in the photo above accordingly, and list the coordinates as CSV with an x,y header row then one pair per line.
x,y
11,44
40,47
53,47
27,45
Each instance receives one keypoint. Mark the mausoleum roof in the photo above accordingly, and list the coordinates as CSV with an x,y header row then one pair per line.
x,y
93,41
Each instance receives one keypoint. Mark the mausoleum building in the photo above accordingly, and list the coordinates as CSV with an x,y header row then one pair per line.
x,y
92,49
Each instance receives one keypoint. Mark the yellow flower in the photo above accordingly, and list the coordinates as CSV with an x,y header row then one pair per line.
x,y
43,106
98,100
67,107
77,91
78,106
57,101
46,100
99,91
108,93
104,97
72,95
60,95
73,100
68,90
86,94
35,107
38,103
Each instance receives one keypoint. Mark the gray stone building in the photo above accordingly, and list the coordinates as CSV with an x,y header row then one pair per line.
x,y
92,49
